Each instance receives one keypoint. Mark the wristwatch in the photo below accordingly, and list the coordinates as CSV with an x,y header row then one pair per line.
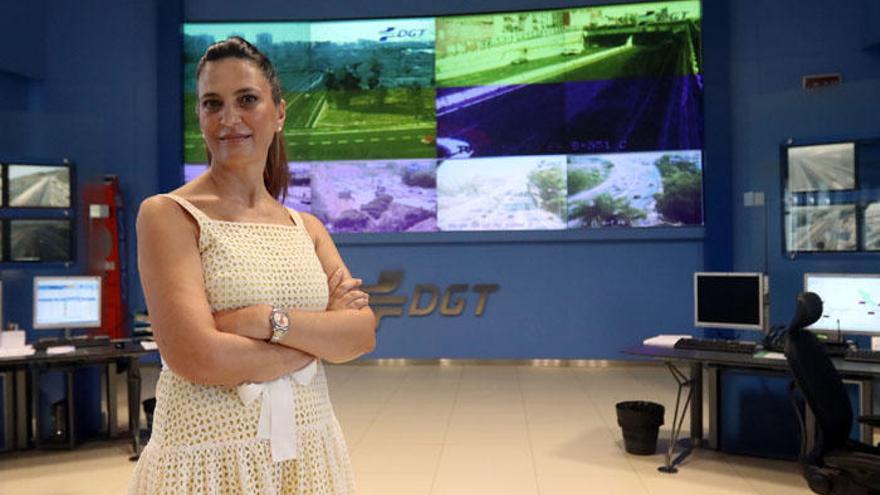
x,y
280,323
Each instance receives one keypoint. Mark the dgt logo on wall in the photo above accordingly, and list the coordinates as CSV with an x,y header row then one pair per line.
x,y
452,303
393,33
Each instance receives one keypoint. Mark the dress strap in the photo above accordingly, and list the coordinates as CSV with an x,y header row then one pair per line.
x,y
297,218
189,207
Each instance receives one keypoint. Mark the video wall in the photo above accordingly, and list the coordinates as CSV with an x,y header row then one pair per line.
x,y
541,120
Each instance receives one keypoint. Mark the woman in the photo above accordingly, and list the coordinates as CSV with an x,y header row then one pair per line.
x,y
245,298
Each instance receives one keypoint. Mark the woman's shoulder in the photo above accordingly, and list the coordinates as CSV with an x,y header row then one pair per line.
x,y
306,216
167,211
156,204
313,226
162,203
190,197
309,221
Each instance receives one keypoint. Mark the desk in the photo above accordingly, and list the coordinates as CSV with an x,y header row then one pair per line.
x,y
711,362
17,371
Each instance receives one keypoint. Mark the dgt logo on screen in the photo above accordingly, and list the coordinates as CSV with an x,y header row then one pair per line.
x,y
424,298
395,33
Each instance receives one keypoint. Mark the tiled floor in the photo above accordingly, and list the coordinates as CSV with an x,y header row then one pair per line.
x,y
468,429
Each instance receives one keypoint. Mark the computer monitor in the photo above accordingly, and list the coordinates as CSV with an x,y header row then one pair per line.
x,y
67,302
39,186
850,302
822,167
730,300
40,239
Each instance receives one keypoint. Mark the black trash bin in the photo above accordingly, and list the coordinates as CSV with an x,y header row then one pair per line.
x,y
640,421
59,421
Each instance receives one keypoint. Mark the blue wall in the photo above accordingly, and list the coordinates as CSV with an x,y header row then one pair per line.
x,y
102,87
772,45
82,85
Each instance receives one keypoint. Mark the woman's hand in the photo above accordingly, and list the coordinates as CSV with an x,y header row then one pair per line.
x,y
344,292
249,321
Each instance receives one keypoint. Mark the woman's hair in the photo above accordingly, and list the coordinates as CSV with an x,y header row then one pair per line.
x,y
275,174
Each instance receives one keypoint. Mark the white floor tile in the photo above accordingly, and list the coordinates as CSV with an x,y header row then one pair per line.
x,y
392,459
467,429
485,483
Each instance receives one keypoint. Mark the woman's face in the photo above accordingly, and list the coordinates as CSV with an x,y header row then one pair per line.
x,y
236,113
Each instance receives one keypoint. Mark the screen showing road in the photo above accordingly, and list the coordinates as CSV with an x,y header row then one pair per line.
x,y
871,228
36,186
821,228
40,240
539,120
825,167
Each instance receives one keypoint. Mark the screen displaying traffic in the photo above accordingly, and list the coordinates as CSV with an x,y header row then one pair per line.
x,y
540,120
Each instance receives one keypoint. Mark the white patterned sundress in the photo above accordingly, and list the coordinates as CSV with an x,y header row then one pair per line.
x,y
204,438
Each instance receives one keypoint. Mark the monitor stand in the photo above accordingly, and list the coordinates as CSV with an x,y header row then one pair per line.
x,y
835,348
69,336
835,345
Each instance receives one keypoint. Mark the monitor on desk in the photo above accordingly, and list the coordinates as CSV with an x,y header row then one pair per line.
x,y
850,302
730,300
67,302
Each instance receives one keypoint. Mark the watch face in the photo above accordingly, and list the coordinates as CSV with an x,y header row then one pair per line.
x,y
279,318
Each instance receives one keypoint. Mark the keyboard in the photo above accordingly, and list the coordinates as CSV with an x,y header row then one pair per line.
x,y
717,345
100,341
863,355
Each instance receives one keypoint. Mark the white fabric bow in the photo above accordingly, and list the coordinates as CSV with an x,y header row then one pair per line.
x,y
277,417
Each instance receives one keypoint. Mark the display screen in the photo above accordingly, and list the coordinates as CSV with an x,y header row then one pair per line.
x,y
871,229
67,302
850,302
822,167
541,120
822,228
39,186
40,240
728,300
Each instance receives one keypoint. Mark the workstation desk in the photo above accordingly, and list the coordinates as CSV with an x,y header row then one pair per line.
x,y
702,380
21,389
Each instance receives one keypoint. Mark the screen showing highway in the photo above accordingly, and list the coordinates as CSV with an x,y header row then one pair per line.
x,y
575,118
36,186
821,228
824,167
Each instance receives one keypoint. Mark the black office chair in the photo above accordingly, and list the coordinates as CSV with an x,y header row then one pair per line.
x,y
834,464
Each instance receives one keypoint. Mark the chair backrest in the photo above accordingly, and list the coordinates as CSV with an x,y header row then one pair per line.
x,y
816,377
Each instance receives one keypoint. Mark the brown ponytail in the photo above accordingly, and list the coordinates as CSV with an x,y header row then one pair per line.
x,y
276,175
